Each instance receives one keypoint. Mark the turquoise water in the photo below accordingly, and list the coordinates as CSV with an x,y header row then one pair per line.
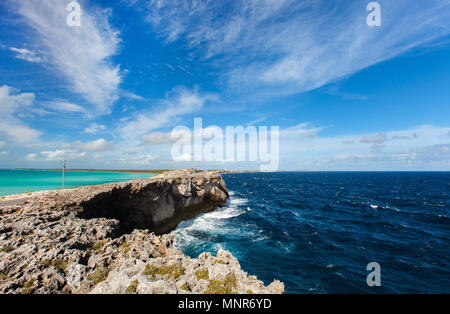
x,y
16,181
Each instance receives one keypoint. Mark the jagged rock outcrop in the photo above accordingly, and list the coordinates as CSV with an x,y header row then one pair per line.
x,y
158,204
101,239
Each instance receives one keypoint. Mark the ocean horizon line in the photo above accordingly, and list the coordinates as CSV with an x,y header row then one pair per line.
x,y
225,170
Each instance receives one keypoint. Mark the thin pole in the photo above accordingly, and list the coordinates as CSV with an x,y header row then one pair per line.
x,y
64,169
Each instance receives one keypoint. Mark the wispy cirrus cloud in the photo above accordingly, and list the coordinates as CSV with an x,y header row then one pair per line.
x,y
288,46
26,54
64,106
301,130
179,102
80,55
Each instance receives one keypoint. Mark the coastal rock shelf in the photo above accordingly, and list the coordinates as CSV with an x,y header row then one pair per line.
x,y
112,238
158,205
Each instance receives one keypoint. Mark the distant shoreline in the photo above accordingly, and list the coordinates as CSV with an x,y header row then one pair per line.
x,y
96,170
133,171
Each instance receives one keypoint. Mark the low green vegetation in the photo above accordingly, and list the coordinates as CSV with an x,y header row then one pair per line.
x,y
185,287
220,261
125,247
249,291
6,249
100,274
28,287
132,288
202,274
57,263
98,247
173,271
3,276
222,287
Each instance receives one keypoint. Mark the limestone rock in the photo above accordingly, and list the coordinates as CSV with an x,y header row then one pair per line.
x,y
101,239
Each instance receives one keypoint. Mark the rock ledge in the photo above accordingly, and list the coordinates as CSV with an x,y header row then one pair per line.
x,y
101,239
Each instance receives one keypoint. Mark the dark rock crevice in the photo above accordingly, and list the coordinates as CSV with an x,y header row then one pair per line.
x,y
158,206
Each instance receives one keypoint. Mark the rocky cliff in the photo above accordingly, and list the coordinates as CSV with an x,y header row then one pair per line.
x,y
112,238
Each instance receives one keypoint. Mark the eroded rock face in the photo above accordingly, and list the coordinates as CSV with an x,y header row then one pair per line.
x,y
86,240
159,204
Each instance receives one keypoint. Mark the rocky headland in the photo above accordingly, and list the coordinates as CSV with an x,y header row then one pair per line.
x,y
115,238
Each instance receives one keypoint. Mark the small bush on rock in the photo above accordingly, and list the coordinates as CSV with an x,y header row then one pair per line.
x,y
174,271
202,274
100,274
222,287
132,288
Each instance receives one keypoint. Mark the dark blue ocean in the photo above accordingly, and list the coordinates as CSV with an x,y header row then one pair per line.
x,y
317,231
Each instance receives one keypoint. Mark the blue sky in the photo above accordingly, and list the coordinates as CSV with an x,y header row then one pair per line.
x,y
346,96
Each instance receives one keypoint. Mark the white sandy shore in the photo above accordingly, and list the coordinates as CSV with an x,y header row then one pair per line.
x,y
11,200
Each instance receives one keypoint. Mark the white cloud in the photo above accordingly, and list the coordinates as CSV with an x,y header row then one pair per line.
x,y
27,55
157,138
58,154
304,147
94,128
183,157
348,152
81,55
288,46
175,136
380,138
4,153
31,157
13,103
301,130
139,160
355,156
426,154
64,106
181,101
97,145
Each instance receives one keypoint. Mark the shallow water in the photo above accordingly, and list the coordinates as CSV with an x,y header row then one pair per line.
x,y
317,232
16,181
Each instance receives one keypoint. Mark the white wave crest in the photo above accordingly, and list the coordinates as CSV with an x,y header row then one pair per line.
x,y
212,222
